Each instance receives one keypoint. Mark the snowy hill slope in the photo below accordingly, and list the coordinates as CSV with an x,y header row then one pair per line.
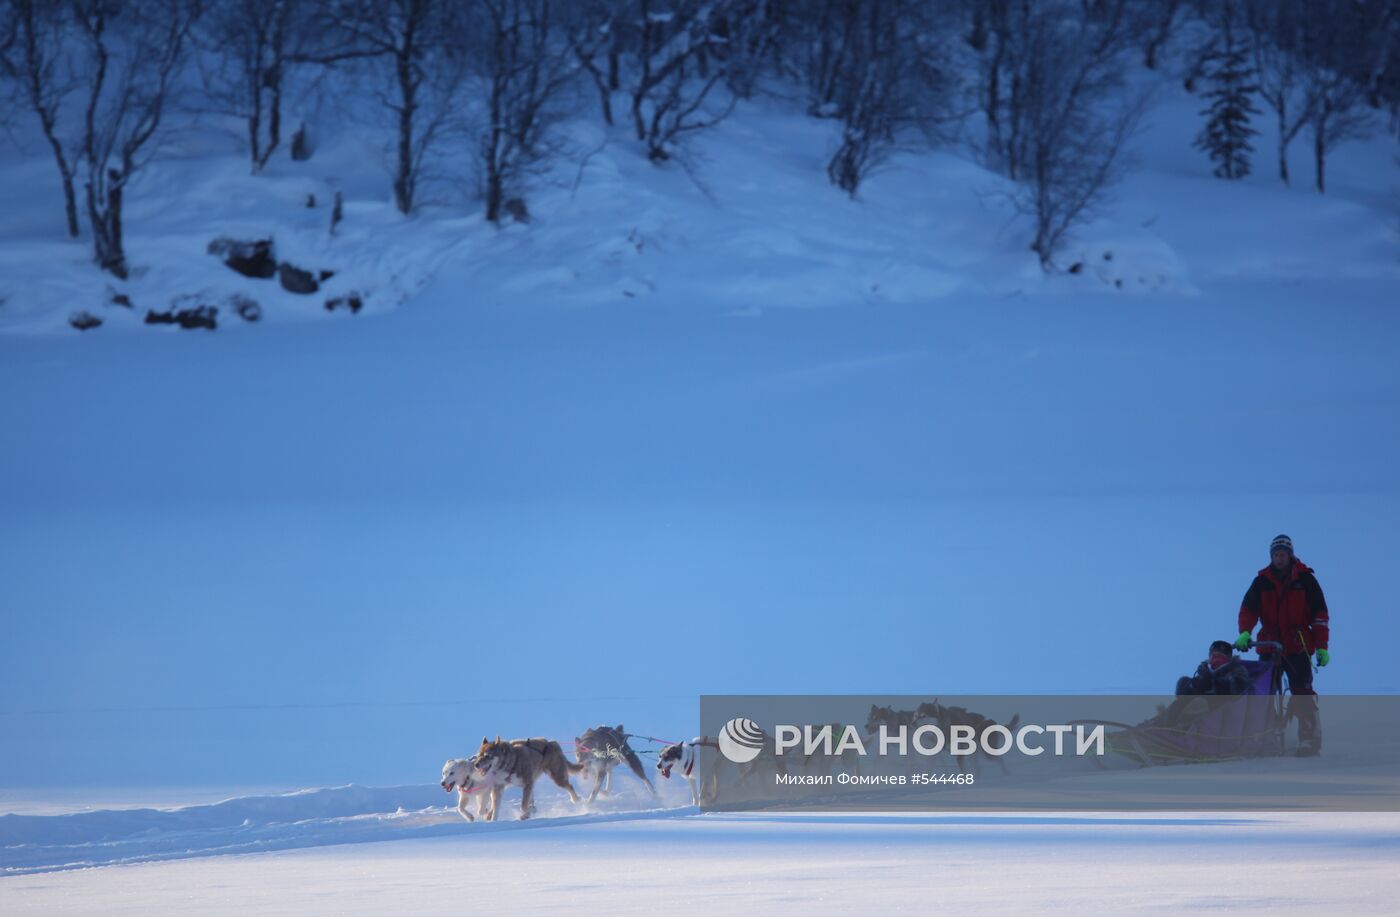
x,y
256,824
750,224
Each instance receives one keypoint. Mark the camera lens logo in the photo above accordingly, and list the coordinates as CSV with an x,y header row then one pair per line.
x,y
741,740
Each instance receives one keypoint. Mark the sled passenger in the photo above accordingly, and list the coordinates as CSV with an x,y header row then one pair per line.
x,y
1221,673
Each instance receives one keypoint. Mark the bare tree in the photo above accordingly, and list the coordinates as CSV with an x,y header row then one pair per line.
x,y
1058,112
37,58
250,46
894,78
1161,18
524,68
414,71
746,38
1275,28
868,129
1000,80
1386,91
9,33
1343,50
134,51
598,37
9,37
829,40
674,76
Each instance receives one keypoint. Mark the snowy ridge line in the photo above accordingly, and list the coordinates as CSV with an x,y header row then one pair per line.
x,y
32,844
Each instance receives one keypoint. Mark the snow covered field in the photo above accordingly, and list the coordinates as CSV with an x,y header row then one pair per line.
x,y
763,863
716,433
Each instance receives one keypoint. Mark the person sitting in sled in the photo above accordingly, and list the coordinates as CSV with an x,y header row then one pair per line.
x,y
1222,672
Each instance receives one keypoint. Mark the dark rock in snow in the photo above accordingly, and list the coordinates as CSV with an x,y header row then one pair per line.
x,y
295,280
245,307
251,258
194,317
301,144
515,206
84,320
326,275
352,301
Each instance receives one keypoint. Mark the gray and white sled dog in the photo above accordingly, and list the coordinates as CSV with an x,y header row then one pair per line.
x,y
686,757
602,748
459,774
520,762
947,717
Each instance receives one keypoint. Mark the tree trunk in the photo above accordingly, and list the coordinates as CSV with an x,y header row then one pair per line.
x,y
274,126
494,179
607,106
106,218
1160,34
70,199
65,170
1320,152
403,182
70,204
262,152
637,119
255,135
494,194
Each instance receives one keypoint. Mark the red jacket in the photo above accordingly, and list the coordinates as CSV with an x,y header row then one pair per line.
x,y
1290,606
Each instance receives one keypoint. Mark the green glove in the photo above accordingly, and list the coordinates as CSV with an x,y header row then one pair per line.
x,y
1323,657
1242,641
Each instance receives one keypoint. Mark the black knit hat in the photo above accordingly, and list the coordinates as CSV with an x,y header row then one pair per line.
x,y
1222,646
1281,541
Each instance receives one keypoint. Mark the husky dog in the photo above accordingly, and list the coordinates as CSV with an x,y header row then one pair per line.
x,y
893,720
686,756
458,774
948,717
890,718
520,762
602,748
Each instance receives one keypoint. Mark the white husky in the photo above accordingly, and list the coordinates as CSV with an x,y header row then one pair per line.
x,y
459,774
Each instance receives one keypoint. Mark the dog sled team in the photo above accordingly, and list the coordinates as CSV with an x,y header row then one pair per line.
x,y
503,764
1284,600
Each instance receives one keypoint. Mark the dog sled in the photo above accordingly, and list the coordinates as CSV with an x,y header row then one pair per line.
x,y
1206,728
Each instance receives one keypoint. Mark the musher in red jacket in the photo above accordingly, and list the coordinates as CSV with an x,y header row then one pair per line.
x,y
1287,602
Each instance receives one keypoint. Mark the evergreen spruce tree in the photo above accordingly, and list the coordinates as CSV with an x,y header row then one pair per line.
x,y
1225,137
